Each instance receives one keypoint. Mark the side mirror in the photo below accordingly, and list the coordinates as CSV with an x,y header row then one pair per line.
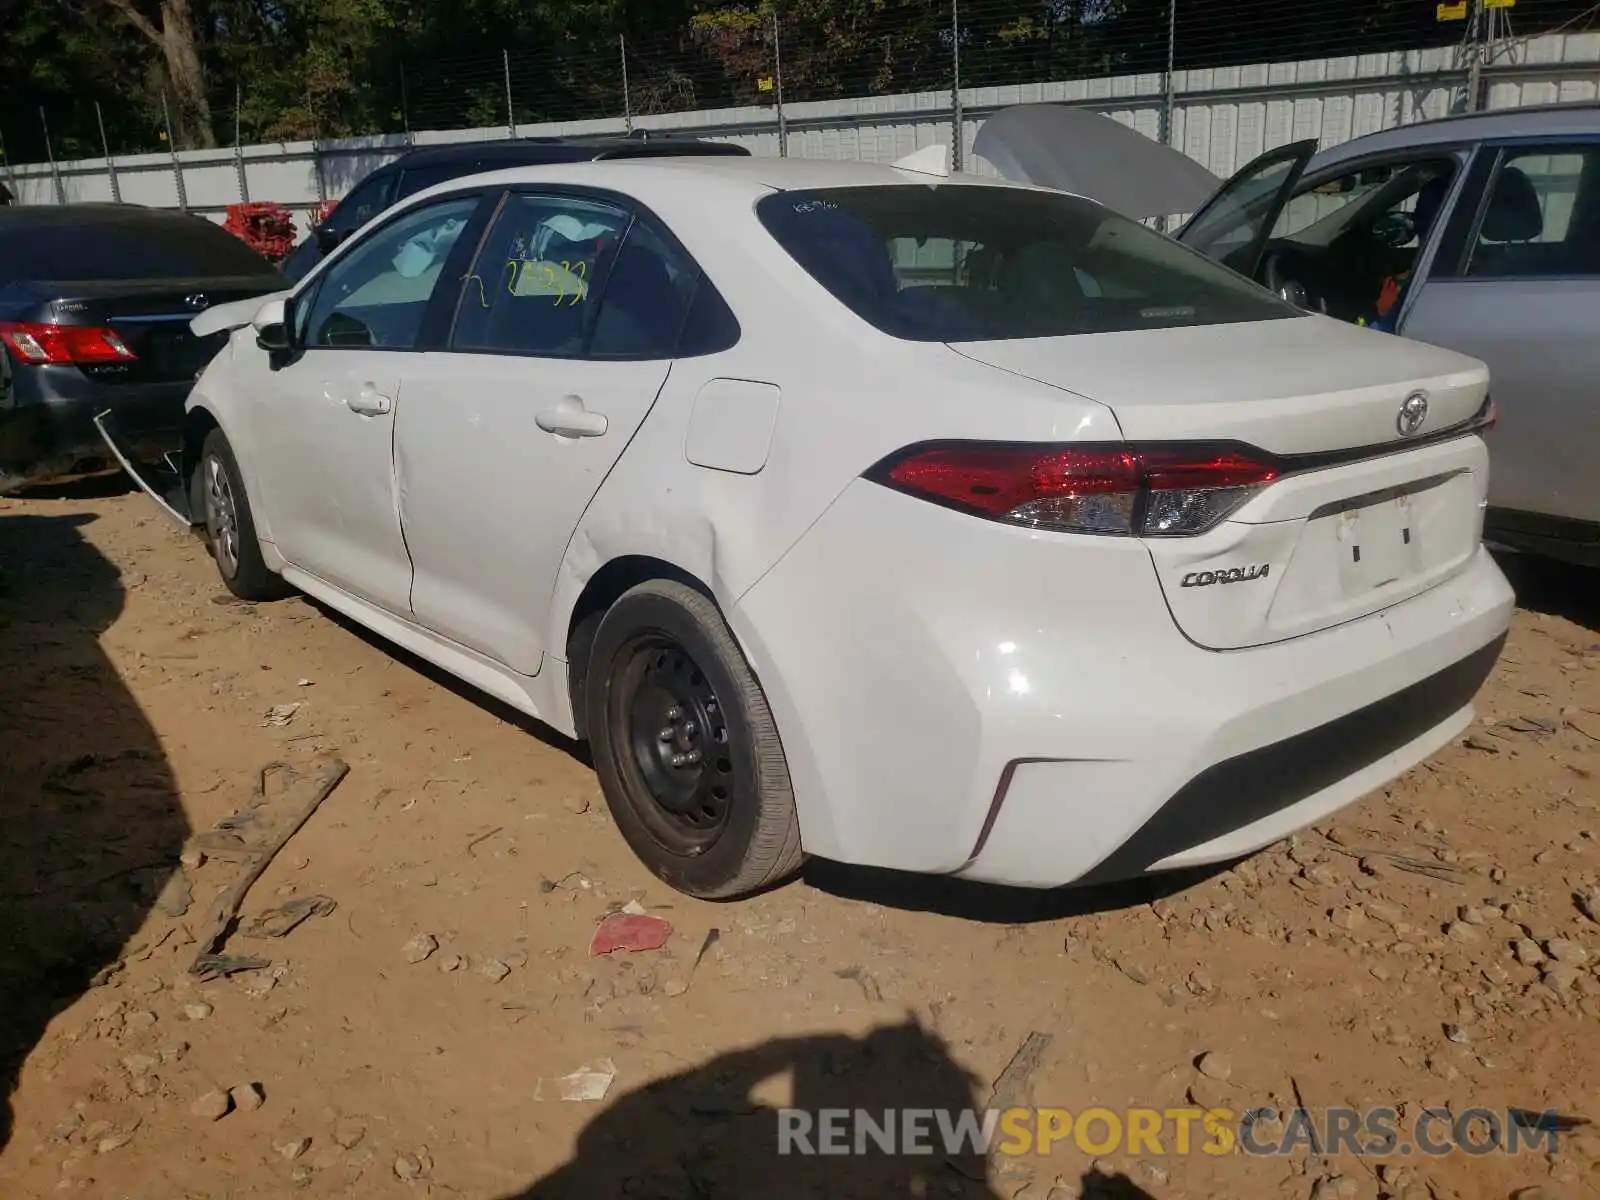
x,y
272,328
1394,229
328,238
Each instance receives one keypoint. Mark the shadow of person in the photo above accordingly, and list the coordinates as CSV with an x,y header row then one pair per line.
x,y
704,1134
90,824
1097,1185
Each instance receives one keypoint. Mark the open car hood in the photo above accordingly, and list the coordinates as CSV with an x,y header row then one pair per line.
x,y
1080,151
236,315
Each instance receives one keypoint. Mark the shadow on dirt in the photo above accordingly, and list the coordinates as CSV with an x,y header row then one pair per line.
x,y
438,675
100,486
1557,588
90,824
704,1133
991,903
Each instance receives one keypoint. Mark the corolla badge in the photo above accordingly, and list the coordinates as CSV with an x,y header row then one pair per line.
x,y
1413,413
1228,575
198,301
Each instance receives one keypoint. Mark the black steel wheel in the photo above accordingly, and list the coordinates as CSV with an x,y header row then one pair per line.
x,y
685,746
230,527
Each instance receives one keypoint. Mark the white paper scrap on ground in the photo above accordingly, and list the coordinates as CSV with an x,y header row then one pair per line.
x,y
589,1082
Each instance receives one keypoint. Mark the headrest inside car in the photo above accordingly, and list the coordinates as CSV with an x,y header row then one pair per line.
x,y
1514,214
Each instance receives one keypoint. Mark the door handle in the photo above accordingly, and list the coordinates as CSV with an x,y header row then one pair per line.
x,y
369,403
571,420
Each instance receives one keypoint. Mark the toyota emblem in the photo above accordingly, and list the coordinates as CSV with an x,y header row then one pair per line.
x,y
197,301
1413,414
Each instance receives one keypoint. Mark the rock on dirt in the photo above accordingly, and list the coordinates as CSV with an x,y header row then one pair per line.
x,y
212,1106
1565,950
247,1097
1214,1066
420,948
1527,952
176,897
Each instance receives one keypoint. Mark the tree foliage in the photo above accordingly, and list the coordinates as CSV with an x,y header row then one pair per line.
x,y
286,69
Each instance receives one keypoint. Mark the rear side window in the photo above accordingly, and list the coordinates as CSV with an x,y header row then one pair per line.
x,y
417,179
369,199
1542,217
964,263
646,299
134,246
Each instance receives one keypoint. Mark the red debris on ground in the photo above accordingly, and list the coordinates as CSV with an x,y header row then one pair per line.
x,y
627,931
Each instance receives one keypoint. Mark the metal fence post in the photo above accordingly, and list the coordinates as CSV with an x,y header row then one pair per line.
x,y
957,120
11,174
316,155
627,99
511,114
1170,100
177,163
777,83
1476,44
55,171
238,142
105,145
405,107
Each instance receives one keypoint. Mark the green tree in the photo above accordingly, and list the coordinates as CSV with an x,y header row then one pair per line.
x,y
174,29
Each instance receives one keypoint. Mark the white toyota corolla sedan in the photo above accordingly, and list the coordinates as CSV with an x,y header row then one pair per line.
x,y
935,524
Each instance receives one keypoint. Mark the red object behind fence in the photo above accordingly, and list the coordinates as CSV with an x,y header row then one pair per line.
x,y
267,228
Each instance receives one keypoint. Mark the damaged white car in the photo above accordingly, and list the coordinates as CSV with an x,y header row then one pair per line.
x,y
930,523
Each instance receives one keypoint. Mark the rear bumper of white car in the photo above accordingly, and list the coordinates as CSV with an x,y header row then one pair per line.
x,y
965,697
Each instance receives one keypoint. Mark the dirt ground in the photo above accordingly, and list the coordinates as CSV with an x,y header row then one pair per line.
x,y
1392,959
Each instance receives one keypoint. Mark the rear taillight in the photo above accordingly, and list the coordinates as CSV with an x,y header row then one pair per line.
x,y
1103,488
81,344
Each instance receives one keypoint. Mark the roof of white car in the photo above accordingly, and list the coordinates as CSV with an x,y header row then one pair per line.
x,y
1530,121
749,175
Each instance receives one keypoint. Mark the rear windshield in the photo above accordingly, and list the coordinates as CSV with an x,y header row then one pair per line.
x,y
135,246
961,263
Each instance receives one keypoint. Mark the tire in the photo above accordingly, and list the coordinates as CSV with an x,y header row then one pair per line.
x,y
218,490
686,748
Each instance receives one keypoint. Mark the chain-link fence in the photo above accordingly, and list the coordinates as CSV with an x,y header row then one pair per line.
x,y
776,55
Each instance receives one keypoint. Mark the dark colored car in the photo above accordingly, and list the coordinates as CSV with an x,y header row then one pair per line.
x,y
419,169
95,305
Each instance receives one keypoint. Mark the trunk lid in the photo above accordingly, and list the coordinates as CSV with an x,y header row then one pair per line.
x,y
1084,152
152,318
1362,517
1298,385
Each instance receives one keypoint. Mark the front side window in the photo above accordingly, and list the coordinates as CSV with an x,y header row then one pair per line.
x,y
537,283
377,294
971,263
1542,218
1389,198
